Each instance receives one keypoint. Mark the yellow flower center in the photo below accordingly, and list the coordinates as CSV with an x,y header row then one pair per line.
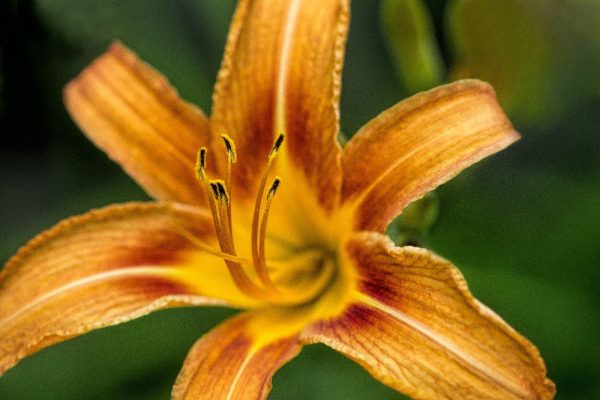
x,y
297,284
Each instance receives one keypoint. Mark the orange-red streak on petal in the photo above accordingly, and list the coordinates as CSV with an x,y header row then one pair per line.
x,y
309,92
102,268
281,74
415,327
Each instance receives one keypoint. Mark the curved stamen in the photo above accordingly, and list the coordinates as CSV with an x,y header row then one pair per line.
x,y
239,276
225,203
276,145
261,266
231,158
219,198
257,205
201,162
241,280
201,175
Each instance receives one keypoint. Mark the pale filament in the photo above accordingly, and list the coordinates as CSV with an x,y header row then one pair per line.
x,y
219,197
205,247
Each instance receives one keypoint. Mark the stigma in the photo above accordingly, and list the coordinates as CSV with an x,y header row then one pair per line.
x,y
219,194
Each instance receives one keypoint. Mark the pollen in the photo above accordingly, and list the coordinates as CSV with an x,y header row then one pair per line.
x,y
276,146
274,187
215,190
230,147
223,193
201,164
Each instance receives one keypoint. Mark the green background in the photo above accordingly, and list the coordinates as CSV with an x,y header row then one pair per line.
x,y
523,226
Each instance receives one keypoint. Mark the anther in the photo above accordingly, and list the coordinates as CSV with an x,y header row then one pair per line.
x,y
202,154
231,157
219,194
276,146
201,163
215,190
230,147
222,191
273,188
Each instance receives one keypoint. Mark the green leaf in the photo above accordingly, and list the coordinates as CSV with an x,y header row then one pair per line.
x,y
540,55
409,33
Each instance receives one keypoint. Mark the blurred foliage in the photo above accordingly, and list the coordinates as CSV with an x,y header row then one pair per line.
x,y
536,53
416,56
522,226
174,39
416,220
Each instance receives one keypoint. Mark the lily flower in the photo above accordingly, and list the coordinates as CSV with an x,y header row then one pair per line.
x,y
259,208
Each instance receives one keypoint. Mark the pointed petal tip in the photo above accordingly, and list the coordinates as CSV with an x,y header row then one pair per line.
x,y
98,269
118,47
419,144
482,87
416,327
131,112
114,48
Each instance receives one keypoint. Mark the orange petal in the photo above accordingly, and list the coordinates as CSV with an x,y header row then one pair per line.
x,y
132,113
102,268
235,361
417,328
281,74
419,144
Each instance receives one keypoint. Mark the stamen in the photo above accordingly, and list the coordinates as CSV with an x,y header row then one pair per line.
x,y
216,192
222,190
219,197
223,228
225,203
273,188
276,146
201,174
261,269
231,158
230,147
201,164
